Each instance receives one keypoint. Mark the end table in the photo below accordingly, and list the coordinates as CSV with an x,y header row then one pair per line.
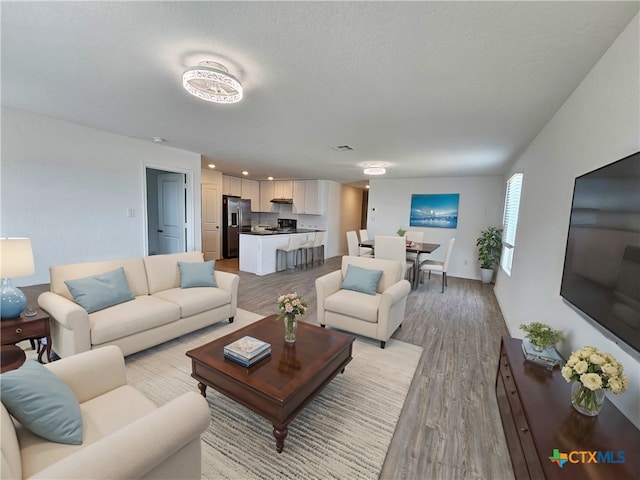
x,y
27,328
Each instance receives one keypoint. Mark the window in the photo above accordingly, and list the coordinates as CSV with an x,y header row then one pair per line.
x,y
510,220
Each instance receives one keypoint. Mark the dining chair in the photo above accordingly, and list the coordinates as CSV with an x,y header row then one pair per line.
x,y
354,249
437,266
393,248
414,236
364,235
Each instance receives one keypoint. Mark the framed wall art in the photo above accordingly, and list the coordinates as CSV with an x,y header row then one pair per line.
x,y
434,210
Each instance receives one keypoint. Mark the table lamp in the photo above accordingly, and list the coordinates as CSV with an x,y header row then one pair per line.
x,y
16,260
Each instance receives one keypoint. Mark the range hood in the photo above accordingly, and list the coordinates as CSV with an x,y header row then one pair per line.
x,y
285,201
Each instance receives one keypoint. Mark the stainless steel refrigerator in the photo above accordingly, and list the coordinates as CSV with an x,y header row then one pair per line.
x,y
236,218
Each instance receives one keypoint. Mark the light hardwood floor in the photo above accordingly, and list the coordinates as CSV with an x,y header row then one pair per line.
x,y
450,426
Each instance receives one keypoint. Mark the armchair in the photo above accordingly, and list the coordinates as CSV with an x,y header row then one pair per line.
x,y
374,316
124,434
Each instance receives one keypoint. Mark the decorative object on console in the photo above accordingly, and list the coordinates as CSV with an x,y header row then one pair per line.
x,y
290,305
489,245
401,232
212,82
593,372
16,260
541,335
547,357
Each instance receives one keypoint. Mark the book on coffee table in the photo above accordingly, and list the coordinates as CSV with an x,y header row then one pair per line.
x,y
246,348
249,363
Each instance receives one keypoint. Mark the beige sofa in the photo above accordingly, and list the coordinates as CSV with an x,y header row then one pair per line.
x,y
374,316
124,434
160,311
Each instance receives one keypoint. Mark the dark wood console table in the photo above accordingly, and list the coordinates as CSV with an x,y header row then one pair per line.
x,y
537,416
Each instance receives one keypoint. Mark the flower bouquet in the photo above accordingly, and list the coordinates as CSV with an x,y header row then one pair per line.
x,y
593,372
290,305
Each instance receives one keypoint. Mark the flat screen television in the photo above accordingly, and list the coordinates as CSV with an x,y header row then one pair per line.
x,y
601,276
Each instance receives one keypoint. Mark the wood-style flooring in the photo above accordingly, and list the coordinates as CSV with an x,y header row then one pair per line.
x,y
450,426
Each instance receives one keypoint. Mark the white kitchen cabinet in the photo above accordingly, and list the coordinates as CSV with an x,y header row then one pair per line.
x,y
251,191
231,185
299,200
267,190
283,189
310,197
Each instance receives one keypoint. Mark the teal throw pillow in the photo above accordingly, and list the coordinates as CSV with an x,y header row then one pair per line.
x,y
100,291
361,279
42,403
198,274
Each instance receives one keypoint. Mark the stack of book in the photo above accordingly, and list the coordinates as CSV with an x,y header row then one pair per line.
x,y
247,351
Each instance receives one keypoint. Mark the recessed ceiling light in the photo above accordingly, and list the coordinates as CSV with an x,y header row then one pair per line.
x,y
244,172
158,139
269,178
366,186
374,168
211,165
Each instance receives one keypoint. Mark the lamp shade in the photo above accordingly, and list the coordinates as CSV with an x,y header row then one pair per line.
x,y
16,258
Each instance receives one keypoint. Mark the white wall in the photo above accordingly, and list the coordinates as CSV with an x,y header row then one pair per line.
x,y
68,188
599,124
481,205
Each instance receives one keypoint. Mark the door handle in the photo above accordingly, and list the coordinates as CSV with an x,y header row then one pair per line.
x,y
160,231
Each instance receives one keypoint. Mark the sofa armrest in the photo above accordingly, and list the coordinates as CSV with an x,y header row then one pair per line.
x,y
392,306
70,324
138,448
93,373
229,282
326,285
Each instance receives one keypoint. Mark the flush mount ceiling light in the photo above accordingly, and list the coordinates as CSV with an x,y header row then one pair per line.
x,y
374,168
212,82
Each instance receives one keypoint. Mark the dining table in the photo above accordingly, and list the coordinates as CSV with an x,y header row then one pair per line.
x,y
411,247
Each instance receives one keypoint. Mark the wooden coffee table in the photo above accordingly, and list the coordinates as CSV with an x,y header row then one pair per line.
x,y
280,386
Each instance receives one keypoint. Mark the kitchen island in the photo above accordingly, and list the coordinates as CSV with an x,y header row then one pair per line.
x,y
258,249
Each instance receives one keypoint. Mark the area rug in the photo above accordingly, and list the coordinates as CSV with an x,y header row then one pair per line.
x,y
342,434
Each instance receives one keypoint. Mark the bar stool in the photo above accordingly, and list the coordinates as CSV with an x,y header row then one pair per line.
x,y
293,246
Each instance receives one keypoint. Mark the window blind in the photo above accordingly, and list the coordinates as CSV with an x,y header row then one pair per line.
x,y
511,207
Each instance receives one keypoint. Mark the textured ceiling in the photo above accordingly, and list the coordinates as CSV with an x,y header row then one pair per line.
x,y
430,88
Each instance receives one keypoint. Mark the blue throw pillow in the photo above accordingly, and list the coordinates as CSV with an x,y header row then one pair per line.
x,y
199,274
100,291
42,403
361,279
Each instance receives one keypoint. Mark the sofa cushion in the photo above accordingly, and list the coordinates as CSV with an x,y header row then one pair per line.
x,y
199,274
42,403
100,291
393,271
354,304
162,270
195,300
133,268
363,280
101,416
124,320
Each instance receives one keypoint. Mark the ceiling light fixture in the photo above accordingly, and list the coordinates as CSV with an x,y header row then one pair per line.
x,y
211,165
374,168
244,172
212,82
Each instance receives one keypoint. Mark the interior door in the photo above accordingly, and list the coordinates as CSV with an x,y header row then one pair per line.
x,y
171,213
210,222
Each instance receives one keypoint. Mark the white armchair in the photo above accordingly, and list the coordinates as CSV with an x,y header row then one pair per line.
x,y
124,434
374,316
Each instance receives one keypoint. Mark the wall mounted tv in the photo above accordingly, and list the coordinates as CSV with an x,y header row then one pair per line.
x,y
601,276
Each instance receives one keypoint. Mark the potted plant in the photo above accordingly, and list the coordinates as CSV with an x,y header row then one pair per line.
x,y
401,232
489,245
541,335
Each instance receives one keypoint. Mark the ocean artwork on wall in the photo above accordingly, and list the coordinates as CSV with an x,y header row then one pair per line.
x,y
434,210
